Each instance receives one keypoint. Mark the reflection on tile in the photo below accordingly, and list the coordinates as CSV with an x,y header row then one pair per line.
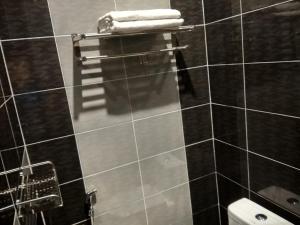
x,y
220,9
22,18
73,210
76,16
275,208
142,4
191,11
193,87
94,71
150,64
63,153
33,65
226,46
229,125
197,124
164,172
273,34
6,135
116,187
230,192
131,214
257,4
153,95
44,115
166,130
274,136
279,184
227,85
209,216
107,148
99,105
200,160
203,193
274,87
232,163
194,55
172,207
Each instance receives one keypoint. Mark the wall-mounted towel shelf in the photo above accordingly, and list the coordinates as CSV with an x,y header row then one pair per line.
x,y
79,37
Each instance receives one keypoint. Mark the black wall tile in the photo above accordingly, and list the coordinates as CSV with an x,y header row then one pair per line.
x,y
203,193
275,136
232,163
274,87
279,180
196,124
257,4
74,208
230,192
275,208
272,34
63,153
12,159
229,125
4,79
193,87
195,54
224,41
23,18
224,216
200,159
191,11
33,65
6,135
227,85
44,115
209,216
220,9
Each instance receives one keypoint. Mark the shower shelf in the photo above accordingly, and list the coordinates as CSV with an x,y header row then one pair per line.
x,y
81,37
37,188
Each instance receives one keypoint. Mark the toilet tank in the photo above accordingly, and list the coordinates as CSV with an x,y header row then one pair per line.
x,y
246,212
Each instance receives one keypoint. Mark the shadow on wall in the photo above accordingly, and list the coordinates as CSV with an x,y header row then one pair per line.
x,y
93,86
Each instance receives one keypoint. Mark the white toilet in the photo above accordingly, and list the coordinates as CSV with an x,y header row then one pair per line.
x,y
246,212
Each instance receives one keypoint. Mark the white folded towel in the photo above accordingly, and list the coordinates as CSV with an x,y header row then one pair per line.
x,y
153,14
138,26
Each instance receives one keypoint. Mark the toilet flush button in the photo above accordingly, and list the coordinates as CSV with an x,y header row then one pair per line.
x,y
261,217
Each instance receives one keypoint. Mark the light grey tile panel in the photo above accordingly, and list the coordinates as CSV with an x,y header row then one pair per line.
x,y
99,105
78,16
106,148
95,71
159,134
164,171
172,207
131,214
153,95
115,188
142,4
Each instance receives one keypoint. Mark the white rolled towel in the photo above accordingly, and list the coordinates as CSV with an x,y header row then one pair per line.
x,y
139,26
153,14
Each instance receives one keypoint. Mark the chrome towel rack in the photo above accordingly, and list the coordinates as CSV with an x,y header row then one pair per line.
x,y
76,38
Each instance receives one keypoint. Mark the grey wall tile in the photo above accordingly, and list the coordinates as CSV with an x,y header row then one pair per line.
x,y
99,105
106,148
116,187
159,134
131,214
172,207
76,16
164,171
153,95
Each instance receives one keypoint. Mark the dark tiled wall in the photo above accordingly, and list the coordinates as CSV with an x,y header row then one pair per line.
x,y
253,58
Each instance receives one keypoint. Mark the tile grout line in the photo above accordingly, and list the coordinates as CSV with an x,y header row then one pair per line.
x,y
211,108
245,97
60,65
257,154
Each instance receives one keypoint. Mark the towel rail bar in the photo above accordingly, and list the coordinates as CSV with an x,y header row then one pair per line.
x,y
88,36
103,57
